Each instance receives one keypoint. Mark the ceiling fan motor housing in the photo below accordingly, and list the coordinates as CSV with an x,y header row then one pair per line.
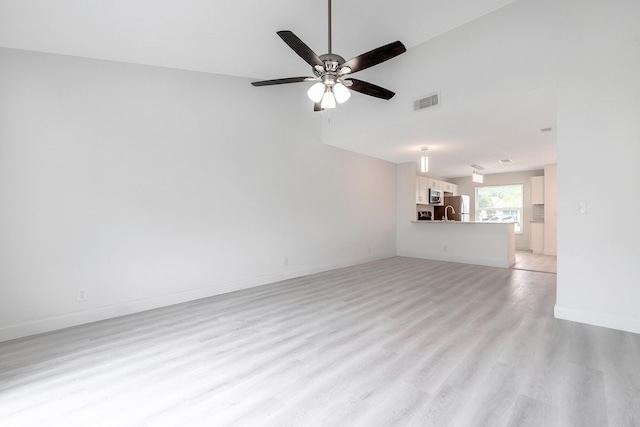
x,y
332,63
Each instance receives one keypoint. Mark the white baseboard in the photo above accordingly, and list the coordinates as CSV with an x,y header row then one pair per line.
x,y
463,260
67,320
597,319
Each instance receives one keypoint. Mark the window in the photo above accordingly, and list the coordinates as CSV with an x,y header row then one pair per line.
x,y
500,203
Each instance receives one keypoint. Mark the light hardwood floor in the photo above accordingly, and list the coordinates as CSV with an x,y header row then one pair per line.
x,y
396,342
527,260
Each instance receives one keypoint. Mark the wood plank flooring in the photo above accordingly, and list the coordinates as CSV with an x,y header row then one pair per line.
x,y
527,260
396,342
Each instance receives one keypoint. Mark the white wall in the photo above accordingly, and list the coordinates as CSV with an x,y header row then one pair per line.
x,y
550,210
598,152
98,190
152,186
590,50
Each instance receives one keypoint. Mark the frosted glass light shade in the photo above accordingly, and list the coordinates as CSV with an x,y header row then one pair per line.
x,y
476,177
328,100
316,92
424,164
341,93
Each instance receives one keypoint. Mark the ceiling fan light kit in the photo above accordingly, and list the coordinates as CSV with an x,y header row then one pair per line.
x,y
316,92
328,100
341,93
330,71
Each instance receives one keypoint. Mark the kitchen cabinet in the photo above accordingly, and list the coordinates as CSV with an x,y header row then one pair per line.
x,y
423,184
536,188
448,187
433,183
422,190
536,239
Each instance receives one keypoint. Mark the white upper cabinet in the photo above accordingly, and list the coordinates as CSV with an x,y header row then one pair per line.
x,y
447,187
433,183
422,190
536,184
423,184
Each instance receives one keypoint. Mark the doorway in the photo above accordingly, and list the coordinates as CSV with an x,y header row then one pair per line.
x,y
527,260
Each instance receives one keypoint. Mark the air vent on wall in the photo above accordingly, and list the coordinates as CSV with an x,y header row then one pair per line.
x,y
428,101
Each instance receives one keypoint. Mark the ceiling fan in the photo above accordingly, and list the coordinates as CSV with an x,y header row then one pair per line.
x,y
331,71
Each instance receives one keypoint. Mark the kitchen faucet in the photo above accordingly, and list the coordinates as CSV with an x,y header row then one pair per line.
x,y
453,211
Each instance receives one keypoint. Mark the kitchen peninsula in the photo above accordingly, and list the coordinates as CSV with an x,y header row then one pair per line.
x,y
481,243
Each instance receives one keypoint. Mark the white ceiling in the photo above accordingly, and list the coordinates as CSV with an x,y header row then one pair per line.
x,y
235,38
506,128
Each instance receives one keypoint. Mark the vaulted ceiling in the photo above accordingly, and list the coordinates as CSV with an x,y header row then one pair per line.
x,y
239,39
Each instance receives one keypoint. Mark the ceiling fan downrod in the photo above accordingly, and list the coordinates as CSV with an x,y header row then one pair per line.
x,y
329,21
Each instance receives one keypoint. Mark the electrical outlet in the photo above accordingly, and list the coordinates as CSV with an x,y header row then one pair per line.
x,y
286,261
444,248
81,294
582,207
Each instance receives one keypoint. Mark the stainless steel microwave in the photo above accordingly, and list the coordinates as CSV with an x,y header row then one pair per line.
x,y
435,196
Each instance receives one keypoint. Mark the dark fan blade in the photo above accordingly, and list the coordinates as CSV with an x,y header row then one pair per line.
x,y
370,89
317,107
300,48
282,81
375,56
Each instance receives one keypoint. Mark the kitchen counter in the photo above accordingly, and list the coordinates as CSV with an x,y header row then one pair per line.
x,y
462,222
471,242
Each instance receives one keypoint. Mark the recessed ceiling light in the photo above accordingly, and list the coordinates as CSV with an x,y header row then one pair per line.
x,y
505,161
477,167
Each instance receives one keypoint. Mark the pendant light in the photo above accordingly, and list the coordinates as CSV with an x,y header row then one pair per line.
x,y
477,176
424,160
